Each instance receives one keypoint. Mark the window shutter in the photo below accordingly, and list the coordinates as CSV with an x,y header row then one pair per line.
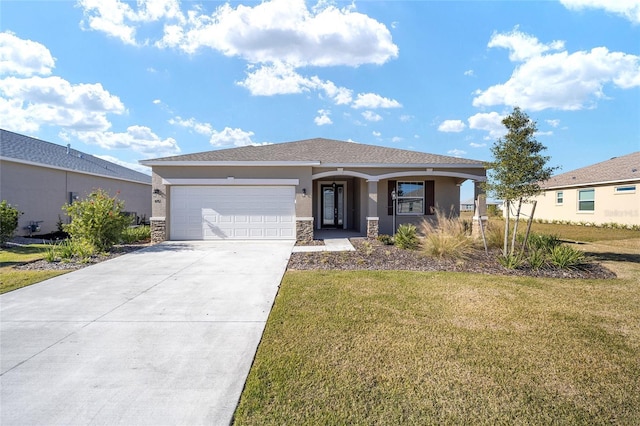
x,y
429,197
391,185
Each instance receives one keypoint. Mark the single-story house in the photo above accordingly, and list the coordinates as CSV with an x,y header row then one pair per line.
x,y
288,190
39,177
606,192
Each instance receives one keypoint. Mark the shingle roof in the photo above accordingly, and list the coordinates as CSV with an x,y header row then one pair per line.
x,y
617,169
27,149
325,151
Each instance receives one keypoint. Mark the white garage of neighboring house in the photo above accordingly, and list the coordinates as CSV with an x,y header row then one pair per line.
x,y
289,190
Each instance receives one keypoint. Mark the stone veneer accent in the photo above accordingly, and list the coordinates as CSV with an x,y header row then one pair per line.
x,y
304,229
373,227
158,229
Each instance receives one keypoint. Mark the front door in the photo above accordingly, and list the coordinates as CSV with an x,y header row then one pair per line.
x,y
332,205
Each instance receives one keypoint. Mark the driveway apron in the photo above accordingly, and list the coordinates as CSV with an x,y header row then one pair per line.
x,y
164,335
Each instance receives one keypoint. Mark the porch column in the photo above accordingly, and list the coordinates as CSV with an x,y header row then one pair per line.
x,y
372,210
158,229
479,210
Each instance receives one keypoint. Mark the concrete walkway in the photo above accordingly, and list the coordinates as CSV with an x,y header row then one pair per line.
x,y
330,244
162,336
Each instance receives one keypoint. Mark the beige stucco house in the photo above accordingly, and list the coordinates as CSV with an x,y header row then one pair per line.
x,y
603,193
288,190
39,177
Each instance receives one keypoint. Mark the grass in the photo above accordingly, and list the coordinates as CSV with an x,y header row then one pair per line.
x,y
368,347
11,279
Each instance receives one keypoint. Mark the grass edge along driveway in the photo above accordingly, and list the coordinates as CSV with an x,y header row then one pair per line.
x,y
12,279
364,347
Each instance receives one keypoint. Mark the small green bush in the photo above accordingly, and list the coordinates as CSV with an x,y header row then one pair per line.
x,y
136,234
543,242
566,257
385,239
68,250
8,221
511,261
407,237
98,220
537,258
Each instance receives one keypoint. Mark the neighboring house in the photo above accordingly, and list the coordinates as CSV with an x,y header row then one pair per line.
x,y
606,192
39,177
286,190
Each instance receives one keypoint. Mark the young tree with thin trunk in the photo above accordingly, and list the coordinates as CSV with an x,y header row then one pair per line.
x,y
517,169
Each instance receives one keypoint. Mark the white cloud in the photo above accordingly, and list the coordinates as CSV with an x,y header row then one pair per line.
x,y
275,79
133,166
547,133
323,117
31,102
137,138
376,134
454,126
630,9
371,116
553,123
490,122
560,80
522,46
191,123
396,139
157,101
120,20
231,137
405,118
477,145
285,31
469,73
23,57
456,152
372,101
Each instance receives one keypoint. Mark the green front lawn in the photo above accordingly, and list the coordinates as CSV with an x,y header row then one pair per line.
x,y
10,278
372,347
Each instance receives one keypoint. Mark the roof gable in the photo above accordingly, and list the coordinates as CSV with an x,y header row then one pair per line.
x,y
30,150
325,151
617,169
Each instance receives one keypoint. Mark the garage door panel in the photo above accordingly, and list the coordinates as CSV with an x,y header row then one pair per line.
x,y
218,212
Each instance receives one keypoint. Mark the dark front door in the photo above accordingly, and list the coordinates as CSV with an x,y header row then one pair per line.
x,y
332,205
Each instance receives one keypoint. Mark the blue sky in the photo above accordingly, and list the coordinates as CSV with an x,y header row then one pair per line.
x,y
129,81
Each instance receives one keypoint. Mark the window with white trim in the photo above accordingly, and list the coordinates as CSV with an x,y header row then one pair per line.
x,y
559,198
410,198
586,200
627,189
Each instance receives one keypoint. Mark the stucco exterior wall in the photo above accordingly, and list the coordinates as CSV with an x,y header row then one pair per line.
x,y
447,198
609,207
41,192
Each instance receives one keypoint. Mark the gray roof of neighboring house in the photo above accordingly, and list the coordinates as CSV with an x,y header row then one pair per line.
x,y
30,150
325,151
617,169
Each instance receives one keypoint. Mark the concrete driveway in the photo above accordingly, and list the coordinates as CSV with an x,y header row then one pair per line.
x,y
165,335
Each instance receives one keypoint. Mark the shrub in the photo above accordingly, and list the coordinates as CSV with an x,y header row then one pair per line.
x,y
537,258
68,250
8,221
406,237
446,237
136,234
385,239
494,234
511,261
566,257
97,220
543,242
493,210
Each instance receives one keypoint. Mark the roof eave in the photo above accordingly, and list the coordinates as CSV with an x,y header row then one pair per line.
x,y
575,185
406,165
201,163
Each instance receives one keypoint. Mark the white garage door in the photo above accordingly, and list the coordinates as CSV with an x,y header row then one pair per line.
x,y
232,212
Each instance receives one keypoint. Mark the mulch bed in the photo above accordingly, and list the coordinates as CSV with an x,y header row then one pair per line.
x,y
373,255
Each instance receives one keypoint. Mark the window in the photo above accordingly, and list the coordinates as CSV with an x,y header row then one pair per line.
x,y
628,189
586,200
559,198
410,198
